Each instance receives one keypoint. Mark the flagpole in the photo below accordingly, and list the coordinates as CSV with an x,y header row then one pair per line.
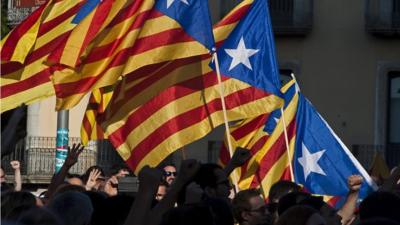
x,y
183,153
227,132
287,144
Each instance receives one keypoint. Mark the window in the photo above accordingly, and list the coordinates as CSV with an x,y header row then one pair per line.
x,y
393,119
289,17
393,122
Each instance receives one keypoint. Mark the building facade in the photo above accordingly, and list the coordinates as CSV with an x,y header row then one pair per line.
x,y
346,58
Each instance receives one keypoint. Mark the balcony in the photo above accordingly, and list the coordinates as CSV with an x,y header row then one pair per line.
x,y
382,17
291,17
37,157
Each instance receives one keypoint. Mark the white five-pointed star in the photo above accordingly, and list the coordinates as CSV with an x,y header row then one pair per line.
x,y
241,55
276,120
169,2
309,161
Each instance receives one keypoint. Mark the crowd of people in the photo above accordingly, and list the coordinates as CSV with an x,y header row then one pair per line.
x,y
196,194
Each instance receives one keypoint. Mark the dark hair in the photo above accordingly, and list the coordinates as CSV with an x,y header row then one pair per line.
x,y
163,165
73,175
39,216
296,215
241,202
206,177
66,187
380,204
73,208
299,198
12,200
85,176
117,167
281,188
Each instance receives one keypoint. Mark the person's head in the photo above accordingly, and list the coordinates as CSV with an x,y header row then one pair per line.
x,y
74,179
169,173
380,204
39,216
65,187
316,202
162,190
2,175
74,208
301,215
281,188
120,170
12,200
213,180
99,181
249,208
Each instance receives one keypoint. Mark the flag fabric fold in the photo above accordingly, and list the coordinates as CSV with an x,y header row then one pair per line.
x,y
98,102
248,54
144,32
30,81
162,107
270,161
322,163
19,42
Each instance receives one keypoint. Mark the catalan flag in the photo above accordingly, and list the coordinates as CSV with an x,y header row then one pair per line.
x,y
270,160
144,32
30,81
248,54
98,101
165,106
19,42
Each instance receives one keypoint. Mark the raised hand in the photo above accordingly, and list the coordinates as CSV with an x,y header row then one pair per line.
x,y
91,182
111,186
149,177
240,157
73,154
15,165
188,170
354,182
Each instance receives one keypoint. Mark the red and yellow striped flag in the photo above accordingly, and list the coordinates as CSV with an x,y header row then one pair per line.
x,y
19,42
98,101
139,35
162,107
30,81
270,161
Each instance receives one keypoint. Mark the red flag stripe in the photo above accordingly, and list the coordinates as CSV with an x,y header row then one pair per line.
x,y
180,90
22,85
182,121
236,16
66,89
14,37
277,150
49,25
244,130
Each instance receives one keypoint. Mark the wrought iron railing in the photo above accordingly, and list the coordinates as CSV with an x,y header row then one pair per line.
x,y
382,17
37,157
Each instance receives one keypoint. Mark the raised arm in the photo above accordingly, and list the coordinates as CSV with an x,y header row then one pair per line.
x,y
149,178
187,172
72,159
239,158
347,211
17,175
